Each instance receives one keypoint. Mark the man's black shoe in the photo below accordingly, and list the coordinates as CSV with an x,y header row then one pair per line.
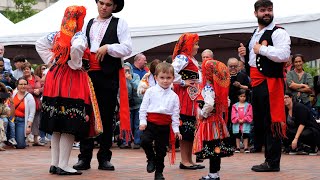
x,y
53,170
265,167
158,176
66,173
82,165
151,167
106,166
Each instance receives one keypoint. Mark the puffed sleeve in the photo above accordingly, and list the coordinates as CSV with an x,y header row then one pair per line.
x,y
78,46
44,47
208,96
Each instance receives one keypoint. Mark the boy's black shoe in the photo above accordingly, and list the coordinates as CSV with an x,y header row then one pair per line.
x,y
265,167
106,165
53,170
158,176
151,167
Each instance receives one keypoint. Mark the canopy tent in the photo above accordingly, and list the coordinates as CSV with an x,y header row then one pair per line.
x,y
5,25
156,24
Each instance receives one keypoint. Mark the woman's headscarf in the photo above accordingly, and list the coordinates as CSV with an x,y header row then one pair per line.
x,y
185,44
217,73
72,22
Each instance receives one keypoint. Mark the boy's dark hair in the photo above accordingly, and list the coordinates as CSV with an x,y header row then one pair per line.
x,y
295,56
153,65
288,94
262,3
19,58
165,68
242,91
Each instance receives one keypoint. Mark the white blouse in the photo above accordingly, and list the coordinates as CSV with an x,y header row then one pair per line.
x,y
78,45
163,101
179,63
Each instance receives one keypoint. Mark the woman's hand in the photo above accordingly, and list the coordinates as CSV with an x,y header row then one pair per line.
x,y
190,82
178,136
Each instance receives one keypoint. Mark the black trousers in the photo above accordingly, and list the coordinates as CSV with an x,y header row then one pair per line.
x,y
160,136
214,163
262,124
106,89
307,137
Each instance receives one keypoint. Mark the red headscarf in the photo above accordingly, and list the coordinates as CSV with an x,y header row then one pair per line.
x,y
185,45
217,75
72,22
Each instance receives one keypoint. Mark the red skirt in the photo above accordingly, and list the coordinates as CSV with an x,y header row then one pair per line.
x,y
66,101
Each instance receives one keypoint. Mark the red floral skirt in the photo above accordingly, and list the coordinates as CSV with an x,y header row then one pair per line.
x,y
66,101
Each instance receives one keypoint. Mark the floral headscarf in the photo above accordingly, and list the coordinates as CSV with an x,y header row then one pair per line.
x,y
185,44
217,75
72,22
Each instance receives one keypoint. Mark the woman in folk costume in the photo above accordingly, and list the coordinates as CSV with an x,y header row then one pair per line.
x,y
210,139
186,69
68,93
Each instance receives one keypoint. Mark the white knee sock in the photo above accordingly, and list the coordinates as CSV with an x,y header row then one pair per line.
x,y
55,141
66,142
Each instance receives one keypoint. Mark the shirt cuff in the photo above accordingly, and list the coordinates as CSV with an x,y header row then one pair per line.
x,y
143,122
175,129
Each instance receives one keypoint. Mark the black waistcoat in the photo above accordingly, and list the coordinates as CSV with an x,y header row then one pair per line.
x,y
109,65
266,66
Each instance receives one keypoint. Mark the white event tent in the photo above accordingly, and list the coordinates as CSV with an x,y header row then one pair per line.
x,y
155,23
5,25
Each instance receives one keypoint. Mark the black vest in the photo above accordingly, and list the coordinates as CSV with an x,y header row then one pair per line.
x,y
266,66
109,65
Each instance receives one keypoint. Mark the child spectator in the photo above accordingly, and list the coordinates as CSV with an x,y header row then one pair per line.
x,y
5,112
10,131
241,117
159,110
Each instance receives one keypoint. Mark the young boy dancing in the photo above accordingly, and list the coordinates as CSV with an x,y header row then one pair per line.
x,y
159,110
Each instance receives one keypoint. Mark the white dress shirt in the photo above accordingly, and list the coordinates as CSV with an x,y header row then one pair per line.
x,y
279,52
163,101
78,45
208,97
97,31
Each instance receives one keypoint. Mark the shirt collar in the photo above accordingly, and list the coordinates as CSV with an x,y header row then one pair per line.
x,y
159,88
104,20
269,27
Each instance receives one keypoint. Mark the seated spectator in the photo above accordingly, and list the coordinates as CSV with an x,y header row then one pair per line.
x,y
148,79
303,131
25,108
300,83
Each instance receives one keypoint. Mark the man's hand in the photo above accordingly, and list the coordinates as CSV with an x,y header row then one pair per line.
x,y
36,91
294,143
237,84
142,127
256,48
178,136
242,50
101,52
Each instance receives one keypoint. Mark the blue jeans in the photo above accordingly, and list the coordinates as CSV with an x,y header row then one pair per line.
x,y
10,130
20,133
135,122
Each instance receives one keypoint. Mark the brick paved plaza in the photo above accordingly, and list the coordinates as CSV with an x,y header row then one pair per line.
x,y
33,164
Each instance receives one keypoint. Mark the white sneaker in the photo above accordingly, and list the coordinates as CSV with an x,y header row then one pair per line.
x,y
13,141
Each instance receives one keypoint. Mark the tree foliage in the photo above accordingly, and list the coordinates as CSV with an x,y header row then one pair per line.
x,y
23,10
311,70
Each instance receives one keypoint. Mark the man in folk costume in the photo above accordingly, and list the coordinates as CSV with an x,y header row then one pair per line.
x,y
67,94
265,56
186,80
109,40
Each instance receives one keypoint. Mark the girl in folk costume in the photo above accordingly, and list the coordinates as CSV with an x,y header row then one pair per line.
x,y
212,131
67,91
186,69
